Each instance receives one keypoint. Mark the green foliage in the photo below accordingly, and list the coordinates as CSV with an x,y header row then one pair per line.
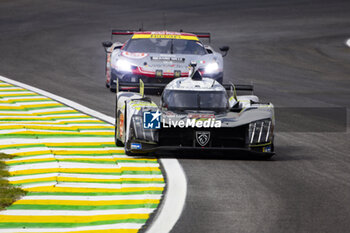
x,y
8,193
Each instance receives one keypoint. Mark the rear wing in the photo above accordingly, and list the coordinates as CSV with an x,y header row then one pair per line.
x,y
234,88
141,87
159,87
121,32
205,35
238,87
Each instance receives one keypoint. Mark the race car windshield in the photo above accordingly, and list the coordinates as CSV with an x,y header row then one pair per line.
x,y
165,46
195,100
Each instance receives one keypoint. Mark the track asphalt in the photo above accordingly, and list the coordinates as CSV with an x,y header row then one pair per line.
x,y
294,53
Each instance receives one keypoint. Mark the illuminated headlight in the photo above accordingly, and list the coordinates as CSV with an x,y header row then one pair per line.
x,y
140,132
123,65
260,132
211,68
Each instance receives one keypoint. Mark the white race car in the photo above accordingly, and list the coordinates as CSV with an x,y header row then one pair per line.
x,y
159,57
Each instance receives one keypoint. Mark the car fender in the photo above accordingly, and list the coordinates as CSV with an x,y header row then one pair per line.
x,y
246,100
219,59
248,115
121,102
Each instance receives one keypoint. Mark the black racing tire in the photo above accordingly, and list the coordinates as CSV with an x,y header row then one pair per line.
x,y
117,141
112,85
128,153
112,89
144,154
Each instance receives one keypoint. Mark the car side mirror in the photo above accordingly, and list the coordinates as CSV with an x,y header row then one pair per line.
x,y
107,44
224,49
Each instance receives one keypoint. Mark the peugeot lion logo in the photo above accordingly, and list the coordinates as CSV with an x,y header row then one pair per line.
x,y
203,137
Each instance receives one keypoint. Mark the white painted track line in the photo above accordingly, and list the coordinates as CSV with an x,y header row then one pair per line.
x,y
170,210
174,199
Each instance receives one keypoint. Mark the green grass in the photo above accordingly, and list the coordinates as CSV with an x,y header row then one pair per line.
x,y
8,193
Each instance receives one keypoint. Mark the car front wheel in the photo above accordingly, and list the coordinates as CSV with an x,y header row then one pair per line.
x,y
116,128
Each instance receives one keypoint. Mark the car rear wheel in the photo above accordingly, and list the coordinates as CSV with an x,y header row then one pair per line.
x,y
112,85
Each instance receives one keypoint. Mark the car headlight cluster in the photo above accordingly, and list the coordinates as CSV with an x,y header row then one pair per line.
x,y
140,132
260,131
211,68
123,65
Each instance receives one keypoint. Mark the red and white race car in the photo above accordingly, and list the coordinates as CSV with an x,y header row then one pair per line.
x,y
159,57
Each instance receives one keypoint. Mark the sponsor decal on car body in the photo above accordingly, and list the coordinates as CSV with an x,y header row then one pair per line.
x,y
152,120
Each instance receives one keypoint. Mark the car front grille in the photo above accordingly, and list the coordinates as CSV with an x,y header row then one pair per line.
x,y
219,137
